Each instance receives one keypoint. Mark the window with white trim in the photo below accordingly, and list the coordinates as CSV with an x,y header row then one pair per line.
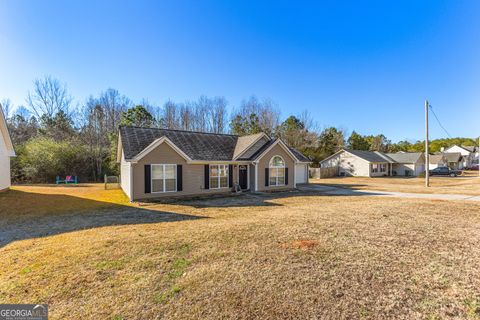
x,y
164,178
218,176
383,167
374,167
276,174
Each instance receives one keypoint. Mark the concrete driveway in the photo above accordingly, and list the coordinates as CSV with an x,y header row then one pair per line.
x,y
335,191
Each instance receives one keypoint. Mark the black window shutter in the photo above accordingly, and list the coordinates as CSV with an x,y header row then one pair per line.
x,y
207,176
179,178
286,176
148,181
266,177
230,176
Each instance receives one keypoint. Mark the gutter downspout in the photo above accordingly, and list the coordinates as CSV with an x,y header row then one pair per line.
x,y
131,182
256,176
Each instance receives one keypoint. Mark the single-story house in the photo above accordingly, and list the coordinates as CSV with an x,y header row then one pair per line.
x,y
361,163
454,160
407,163
6,152
469,155
437,160
172,163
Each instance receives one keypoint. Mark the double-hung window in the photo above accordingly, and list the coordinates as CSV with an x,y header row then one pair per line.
x,y
383,167
164,177
218,176
276,171
374,167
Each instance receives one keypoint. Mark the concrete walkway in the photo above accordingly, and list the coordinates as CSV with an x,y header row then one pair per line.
x,y
335,191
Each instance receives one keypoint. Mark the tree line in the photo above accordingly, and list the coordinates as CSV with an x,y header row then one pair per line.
x,y
54,135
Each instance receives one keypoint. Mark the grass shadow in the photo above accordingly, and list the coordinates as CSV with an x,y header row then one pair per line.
x,y
26,215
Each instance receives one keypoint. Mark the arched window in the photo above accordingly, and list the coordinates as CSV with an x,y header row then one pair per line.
x,y
276,171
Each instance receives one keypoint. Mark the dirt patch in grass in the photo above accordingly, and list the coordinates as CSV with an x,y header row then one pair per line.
x,y
301,244
292,256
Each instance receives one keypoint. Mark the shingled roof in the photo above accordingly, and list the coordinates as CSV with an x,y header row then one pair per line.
x,y
197,145
436,158
299,155
452,156
380,157
405,157
245,142
371,156
470,148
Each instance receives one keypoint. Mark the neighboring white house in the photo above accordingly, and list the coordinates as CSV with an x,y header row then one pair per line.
x,y
469,155
360,163
6,152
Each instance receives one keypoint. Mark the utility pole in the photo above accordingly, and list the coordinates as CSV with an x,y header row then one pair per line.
x,y
427,154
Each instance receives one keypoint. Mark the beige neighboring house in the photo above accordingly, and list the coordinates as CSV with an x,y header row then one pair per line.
x,y
359,163
156,163
6,152
437,160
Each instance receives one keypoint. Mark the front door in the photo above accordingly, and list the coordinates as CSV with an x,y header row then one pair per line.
x,y
243,177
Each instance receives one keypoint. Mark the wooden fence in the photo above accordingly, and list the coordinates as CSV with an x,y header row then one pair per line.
x,y
322,173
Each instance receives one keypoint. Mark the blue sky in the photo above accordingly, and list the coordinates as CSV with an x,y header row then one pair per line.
x,y
359,65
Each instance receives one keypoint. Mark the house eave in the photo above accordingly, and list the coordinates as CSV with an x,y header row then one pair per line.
x,y
203,161
263,135
283,145
155,144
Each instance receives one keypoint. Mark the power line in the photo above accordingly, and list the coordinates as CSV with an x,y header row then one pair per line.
x,y
439,123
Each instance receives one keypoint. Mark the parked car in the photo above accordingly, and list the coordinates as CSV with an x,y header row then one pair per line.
x,y
473,167
444,171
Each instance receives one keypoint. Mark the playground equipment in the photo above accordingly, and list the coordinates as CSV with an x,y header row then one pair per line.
x,y
67,180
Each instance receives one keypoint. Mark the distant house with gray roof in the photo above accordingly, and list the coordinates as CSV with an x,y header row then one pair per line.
x,y
469,155
359,163
173,163
437,160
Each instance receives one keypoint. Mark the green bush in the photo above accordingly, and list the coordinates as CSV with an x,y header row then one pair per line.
x,y
42,159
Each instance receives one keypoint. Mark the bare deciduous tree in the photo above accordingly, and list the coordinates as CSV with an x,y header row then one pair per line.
x,y
202,108
170,115
49,97
6,107
265,113
218,115
187,116
114,104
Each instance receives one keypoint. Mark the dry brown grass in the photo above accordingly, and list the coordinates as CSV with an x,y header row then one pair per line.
x,y
289,256
443,185
38,200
